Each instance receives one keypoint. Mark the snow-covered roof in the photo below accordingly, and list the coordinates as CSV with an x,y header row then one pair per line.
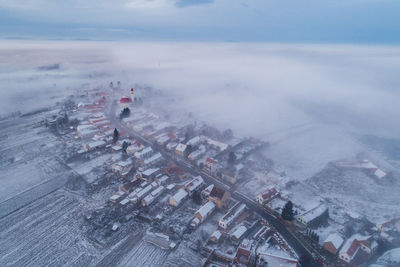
x,y
144,191
181,194
278,260
124,163
124,201
115,197
206,209
194,141
352,245
235,211
154,158
208,189
217,235
146,150
335,239
157,191
194,183
170,186
239,232
163,179
181,148
313,213
150,172
96,144
379,173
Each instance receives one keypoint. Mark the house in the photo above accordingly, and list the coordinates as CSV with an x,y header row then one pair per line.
x,y
215,144
267,195
162,179
194,184
313,217
125,102
194,141
140,194
244,252
126,187
85,130
204,211
229,175
144,153
354,245
232,214
176,199
122,167
156,158
195,155
211,165
94,145
171,145
163,139
268,259
333,243
216,236
151,173
206,192
153,196
238,233
180,149
133,148
219,196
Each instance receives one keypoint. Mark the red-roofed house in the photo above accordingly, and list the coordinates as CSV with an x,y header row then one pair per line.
x,y
124,101
353,245
267,196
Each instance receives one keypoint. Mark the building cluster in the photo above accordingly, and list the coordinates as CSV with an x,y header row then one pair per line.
x,y
145,178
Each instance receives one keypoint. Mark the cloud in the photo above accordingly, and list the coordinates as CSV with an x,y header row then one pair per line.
x,y
309,101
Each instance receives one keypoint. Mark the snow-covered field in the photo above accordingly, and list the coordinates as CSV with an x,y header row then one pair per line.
x,y
27,156
46,232
144,254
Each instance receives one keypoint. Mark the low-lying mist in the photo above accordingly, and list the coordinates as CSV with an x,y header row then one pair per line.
x,y
307,99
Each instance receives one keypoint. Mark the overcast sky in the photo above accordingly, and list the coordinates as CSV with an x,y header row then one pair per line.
x,y
313,21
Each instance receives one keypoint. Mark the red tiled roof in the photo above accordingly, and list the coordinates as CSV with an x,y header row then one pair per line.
x,y
270,193
211,161
125,100
353,248
217,192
